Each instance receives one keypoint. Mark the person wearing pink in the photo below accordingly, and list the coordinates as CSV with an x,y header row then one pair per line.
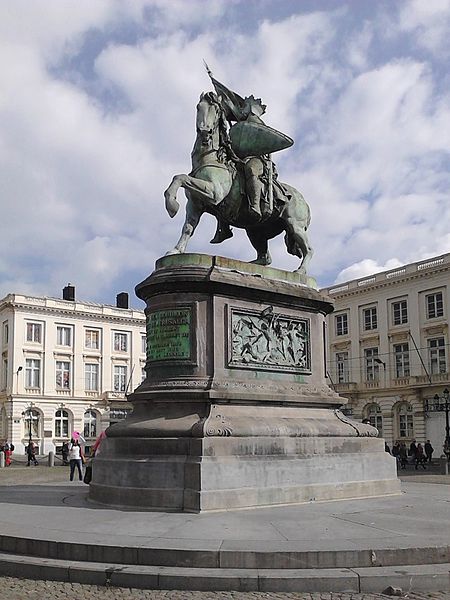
x,y
8,450
76,459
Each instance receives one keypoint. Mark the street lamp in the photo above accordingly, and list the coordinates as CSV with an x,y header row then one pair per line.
x,y
441,404
28,415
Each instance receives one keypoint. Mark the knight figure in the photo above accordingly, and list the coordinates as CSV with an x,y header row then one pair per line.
x,y
252,142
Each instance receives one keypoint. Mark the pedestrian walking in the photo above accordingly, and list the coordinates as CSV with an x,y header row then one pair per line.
x,y
31,453
428,450
386,448
396,451
65,453
412,451
8,450
76,459
403,453
420,456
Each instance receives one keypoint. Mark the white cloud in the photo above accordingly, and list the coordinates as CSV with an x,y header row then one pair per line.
x,y
365,268
82,177
430,23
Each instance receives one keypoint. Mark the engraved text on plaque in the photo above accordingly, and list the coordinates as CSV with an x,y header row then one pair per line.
x,y
169,334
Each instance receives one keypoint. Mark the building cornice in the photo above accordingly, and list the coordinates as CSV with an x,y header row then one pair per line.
x,y
419,270
73,310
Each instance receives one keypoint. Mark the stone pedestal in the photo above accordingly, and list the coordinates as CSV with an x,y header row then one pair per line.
x,y
235,411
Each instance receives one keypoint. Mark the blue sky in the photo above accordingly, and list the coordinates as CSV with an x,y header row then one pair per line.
x,y
97,109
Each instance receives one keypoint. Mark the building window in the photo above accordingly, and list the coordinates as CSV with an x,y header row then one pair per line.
x,y
62,375
32,373
31,420
373,413
5,333
371,363
435,305
34,332
91,379
399,312
341,324
3,423
370,318
405,420
342,367
120,378
64,336
92,339
436,355
120,341
4,378
401,354
61,423
90,424
144,344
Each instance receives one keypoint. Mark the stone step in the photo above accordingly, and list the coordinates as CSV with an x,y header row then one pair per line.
x,y
228,555
374,579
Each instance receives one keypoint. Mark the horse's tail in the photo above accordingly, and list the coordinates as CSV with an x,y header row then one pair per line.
x,y
172,205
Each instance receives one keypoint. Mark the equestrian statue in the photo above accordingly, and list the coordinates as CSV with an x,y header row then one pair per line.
x,y
234,178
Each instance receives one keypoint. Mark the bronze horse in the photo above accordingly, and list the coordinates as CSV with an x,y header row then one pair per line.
x,y
216,186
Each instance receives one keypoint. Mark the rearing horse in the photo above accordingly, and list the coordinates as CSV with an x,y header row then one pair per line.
x,y
216,186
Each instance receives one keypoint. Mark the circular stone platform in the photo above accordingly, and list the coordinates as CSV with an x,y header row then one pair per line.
x,y
351,545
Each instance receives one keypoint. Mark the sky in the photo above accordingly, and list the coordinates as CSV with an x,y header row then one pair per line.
x,y
97,113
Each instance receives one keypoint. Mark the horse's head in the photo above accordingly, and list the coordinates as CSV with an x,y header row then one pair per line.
x,y
208,119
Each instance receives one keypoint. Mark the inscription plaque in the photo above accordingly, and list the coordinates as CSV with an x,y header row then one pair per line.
x,y
269,341
169,334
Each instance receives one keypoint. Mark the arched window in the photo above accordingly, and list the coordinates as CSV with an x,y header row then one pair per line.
x,y
31,423
373,413
61,423
90,424
405,420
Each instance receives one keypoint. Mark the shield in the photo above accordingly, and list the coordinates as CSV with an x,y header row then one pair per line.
x,y
255,139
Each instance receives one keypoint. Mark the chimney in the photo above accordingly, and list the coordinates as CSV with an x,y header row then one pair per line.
x,y
69,292
122,300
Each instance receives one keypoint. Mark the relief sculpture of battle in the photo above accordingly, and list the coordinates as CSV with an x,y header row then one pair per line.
x,y
269,341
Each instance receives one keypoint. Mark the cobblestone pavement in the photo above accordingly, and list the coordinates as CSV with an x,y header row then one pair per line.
x,y
26,589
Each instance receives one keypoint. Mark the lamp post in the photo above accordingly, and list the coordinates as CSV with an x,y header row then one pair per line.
x,y
28,414
442,404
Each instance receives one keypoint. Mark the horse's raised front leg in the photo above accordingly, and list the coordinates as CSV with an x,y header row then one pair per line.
x,y
205,190
193,214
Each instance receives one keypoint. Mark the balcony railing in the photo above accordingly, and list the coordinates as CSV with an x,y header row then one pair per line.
x,y
408,381
389,275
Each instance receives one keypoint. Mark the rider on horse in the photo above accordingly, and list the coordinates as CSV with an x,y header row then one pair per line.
x,y
252,142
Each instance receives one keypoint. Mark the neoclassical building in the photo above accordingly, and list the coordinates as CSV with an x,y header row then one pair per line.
x,y
66,366
388,348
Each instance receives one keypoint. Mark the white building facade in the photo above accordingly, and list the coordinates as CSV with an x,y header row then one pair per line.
x,y
66,366
388,349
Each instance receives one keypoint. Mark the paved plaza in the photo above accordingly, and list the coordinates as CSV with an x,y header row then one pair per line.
x,y
41,504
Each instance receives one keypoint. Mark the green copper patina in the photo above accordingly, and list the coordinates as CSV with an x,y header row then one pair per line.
x,y
234,178
169,335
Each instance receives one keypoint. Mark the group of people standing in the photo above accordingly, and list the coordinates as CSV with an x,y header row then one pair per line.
x,y
416,453
72,455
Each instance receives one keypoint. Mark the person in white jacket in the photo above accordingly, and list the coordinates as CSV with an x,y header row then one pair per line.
x,y
76,458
